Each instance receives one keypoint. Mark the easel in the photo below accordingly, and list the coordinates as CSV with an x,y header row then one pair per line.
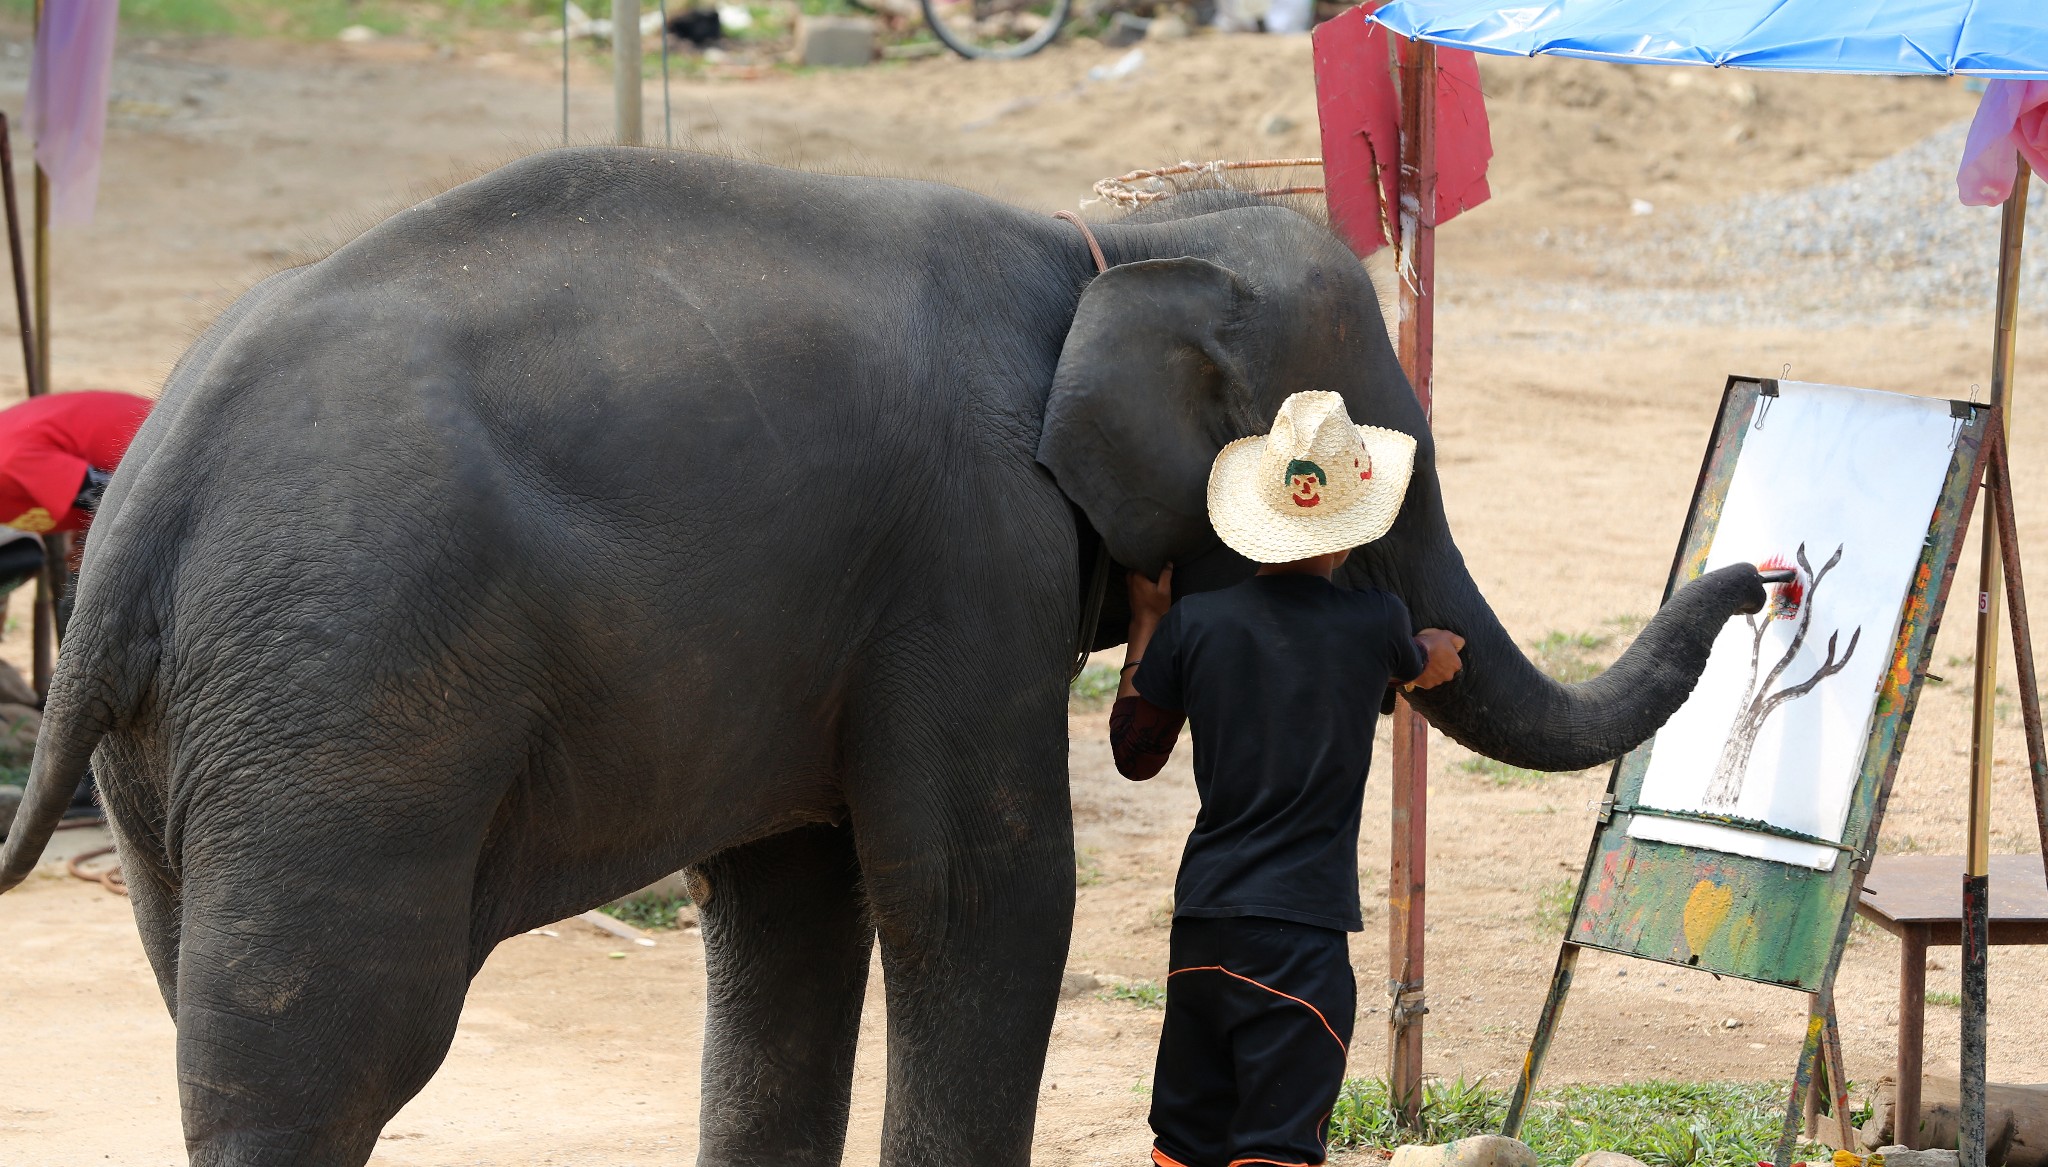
x,y
1818,1071
1820,1060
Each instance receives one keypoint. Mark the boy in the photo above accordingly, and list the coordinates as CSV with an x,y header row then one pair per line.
x,y
1282,676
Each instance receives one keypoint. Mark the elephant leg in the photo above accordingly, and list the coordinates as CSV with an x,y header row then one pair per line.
x,y
786,947
314,999
961,809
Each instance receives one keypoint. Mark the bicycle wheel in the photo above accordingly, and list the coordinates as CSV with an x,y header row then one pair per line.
x,y
996,29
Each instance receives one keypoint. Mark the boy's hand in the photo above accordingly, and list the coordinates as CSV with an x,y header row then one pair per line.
x,y
1149,600
1441,649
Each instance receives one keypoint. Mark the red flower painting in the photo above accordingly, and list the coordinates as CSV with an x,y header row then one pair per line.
x,y
1785,597
1792,600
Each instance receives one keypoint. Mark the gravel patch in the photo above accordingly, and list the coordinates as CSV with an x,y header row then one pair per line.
x,y
1890,244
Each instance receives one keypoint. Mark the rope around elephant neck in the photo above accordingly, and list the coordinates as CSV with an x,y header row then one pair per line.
x,y
1094,248
1098,578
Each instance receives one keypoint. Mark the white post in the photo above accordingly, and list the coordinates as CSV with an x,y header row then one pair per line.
x,y
626,69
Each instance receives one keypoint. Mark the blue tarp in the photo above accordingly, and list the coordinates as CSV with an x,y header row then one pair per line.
x,y
1976,38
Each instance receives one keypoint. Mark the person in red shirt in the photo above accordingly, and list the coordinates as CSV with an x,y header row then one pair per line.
x,y
57,453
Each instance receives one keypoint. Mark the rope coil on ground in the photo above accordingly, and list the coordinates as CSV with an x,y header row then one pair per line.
x,y
1140,187
107,877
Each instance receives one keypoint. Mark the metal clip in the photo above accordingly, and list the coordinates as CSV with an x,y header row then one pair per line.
x,y
1604,807
1408,1005
1767,394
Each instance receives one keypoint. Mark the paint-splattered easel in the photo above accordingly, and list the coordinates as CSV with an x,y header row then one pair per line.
x,y
1753,918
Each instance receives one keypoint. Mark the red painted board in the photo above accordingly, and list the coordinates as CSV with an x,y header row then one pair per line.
x,y
1360,113
1360,110
1464,142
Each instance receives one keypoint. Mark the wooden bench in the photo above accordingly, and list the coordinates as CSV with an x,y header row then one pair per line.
x,y
1919,899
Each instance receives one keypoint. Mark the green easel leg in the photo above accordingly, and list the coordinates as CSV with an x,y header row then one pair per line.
x,y
1539,1045
1802,1081
1838,1081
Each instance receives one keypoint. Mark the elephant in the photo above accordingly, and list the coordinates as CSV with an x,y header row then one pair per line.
x,y
628,510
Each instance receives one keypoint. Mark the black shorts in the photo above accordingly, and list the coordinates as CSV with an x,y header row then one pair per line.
x,y
1258,1026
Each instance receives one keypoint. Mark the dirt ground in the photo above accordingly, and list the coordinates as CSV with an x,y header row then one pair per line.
x,y
1569,448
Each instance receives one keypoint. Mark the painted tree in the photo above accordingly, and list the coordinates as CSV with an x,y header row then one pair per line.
x,y
1789,601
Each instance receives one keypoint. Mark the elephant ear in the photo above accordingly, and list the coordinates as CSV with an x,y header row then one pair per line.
x,y
1149,388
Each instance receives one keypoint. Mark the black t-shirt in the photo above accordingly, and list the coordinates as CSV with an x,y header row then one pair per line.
x,y
1281,678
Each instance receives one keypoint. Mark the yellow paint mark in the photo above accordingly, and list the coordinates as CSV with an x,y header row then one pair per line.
x,y
35,520
1705,909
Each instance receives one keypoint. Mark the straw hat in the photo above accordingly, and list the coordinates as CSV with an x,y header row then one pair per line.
x,y
1313,485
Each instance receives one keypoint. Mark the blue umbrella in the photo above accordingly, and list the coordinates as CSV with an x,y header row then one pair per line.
x,y
1999,39
1973,38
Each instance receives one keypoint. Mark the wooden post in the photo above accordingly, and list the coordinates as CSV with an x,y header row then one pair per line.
x,y
1977,870
31,364
1912,1037
2022,640
1838,1081
47,581
626,70
32,374
1407,873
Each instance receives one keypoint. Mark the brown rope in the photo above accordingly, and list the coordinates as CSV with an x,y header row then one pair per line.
x,y
1094,248
107,877
1139,187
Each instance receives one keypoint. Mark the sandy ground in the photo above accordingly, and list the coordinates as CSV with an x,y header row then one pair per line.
x,y
1570,445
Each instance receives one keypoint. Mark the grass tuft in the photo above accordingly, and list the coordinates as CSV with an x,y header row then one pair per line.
x,y
1146,994
1570,656
1554,906
1665,1124
1501,773
1094,689
1087,869
649,912
1952,1000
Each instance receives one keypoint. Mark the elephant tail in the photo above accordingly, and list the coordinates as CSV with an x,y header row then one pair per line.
x,y
75,718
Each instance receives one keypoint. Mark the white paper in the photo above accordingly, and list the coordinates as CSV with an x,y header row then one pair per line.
x,y
1830,468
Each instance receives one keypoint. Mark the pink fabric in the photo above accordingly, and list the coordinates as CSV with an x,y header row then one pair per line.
x,y
67,101
2011,122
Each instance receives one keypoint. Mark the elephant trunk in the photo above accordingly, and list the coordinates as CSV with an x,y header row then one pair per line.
x,y
1502,705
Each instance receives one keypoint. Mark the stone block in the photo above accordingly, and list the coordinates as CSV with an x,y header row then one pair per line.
x,y
1125,30
1607,1159
834,41
1079,984
1899,1156
1477,1151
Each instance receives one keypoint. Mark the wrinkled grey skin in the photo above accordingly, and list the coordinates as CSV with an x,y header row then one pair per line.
x,y
623,510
